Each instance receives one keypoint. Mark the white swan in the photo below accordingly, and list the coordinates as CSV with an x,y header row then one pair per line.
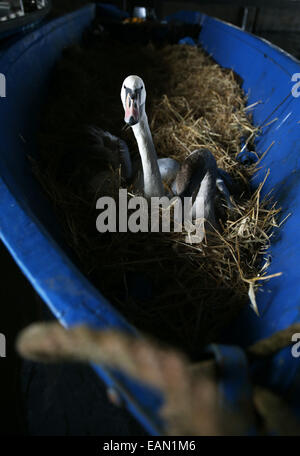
x,y
133,96
196,177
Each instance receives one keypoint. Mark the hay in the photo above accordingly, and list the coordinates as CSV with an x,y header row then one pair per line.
x,y
181,293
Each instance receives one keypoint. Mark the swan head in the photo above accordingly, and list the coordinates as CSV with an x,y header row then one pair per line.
x,y
133,96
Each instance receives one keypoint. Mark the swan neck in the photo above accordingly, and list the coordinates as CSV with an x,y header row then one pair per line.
x,y
152,179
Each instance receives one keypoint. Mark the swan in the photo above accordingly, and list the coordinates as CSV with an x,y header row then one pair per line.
x,y
197,177
133,96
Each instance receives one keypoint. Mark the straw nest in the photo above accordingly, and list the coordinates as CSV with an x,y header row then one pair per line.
x,y
182,293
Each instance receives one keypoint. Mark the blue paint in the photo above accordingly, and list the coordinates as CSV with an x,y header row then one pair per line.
x,y
235,381
187,40
247,157
29,228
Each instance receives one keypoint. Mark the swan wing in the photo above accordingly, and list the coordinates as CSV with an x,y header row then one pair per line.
x,y
114,150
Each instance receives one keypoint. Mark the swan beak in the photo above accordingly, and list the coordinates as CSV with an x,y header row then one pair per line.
x,y
132,113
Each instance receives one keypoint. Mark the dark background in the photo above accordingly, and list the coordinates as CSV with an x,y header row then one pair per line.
x,y
33,398
275,20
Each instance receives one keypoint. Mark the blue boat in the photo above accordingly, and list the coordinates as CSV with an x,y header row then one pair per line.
x,y
27,222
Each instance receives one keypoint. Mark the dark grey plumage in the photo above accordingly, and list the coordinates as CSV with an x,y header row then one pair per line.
x,y
196,179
